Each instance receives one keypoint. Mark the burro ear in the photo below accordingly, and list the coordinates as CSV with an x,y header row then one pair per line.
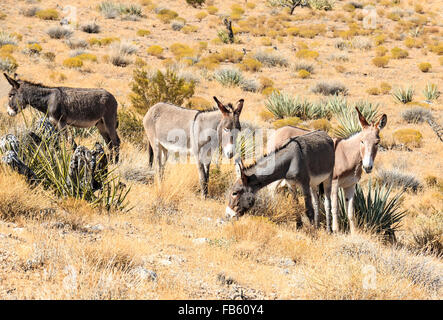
x,y
11,81
362,119
239,107
221,106
382,122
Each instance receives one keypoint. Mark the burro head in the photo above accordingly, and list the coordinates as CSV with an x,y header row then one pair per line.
x,y
229,126
241,196
369,140
16,101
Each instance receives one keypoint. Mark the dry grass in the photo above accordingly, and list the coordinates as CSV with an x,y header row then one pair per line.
x,y
173,244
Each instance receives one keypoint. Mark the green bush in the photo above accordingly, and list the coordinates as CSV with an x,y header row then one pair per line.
x,y
403,95
376,211
166,86
131,128
48,14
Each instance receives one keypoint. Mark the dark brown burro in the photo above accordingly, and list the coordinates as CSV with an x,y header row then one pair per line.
x,y
78,107
306,160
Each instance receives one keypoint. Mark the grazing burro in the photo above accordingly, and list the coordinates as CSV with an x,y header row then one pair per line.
x,y
170,128
78,107
351,155
306,160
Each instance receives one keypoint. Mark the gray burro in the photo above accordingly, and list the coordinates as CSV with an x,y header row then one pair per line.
x,y
173,129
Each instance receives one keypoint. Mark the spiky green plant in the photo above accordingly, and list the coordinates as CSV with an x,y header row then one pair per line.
x,y
431,92
245,144
229,77
403,95
376,211
282,105
348,118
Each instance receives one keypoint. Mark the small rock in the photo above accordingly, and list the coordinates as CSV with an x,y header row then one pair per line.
x,y
286,262
165,262
144,274
200,240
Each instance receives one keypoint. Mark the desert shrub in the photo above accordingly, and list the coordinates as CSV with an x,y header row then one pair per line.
x,y
230,55
416,115
131,127
73,63
381,51
431,92
403,95
125,48
8,63
413,43
181,50
321,124
408,137
376,211
209,62
321,4
7,38
49,56
250,64
329,88
229,77
29,12
212,9
374,91
199,103
385,88
76,43
380,39
189,29
307,54
424,66
398,53
90,27
429,240
380,62
59,32
303,74
397,179
148,89
201,15
87,57
437,49
166,15
8,49
266,115
271,59
304,66
250,85
195,3
291,121
112,10
177,25
48,14
265,41
155,50
34,48
143,32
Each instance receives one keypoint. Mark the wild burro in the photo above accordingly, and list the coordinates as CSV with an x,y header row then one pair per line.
x,y
78,107
173,129
307,160
351,155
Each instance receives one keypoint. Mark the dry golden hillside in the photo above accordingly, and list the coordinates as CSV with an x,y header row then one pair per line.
x,y
169,243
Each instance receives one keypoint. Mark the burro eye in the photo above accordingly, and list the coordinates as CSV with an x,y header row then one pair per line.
x,y
234,193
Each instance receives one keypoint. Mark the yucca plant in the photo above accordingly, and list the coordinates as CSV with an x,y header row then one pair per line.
x,y
282,105
245,144
431,92
337,105
403,95
348,118
376,211
229,77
